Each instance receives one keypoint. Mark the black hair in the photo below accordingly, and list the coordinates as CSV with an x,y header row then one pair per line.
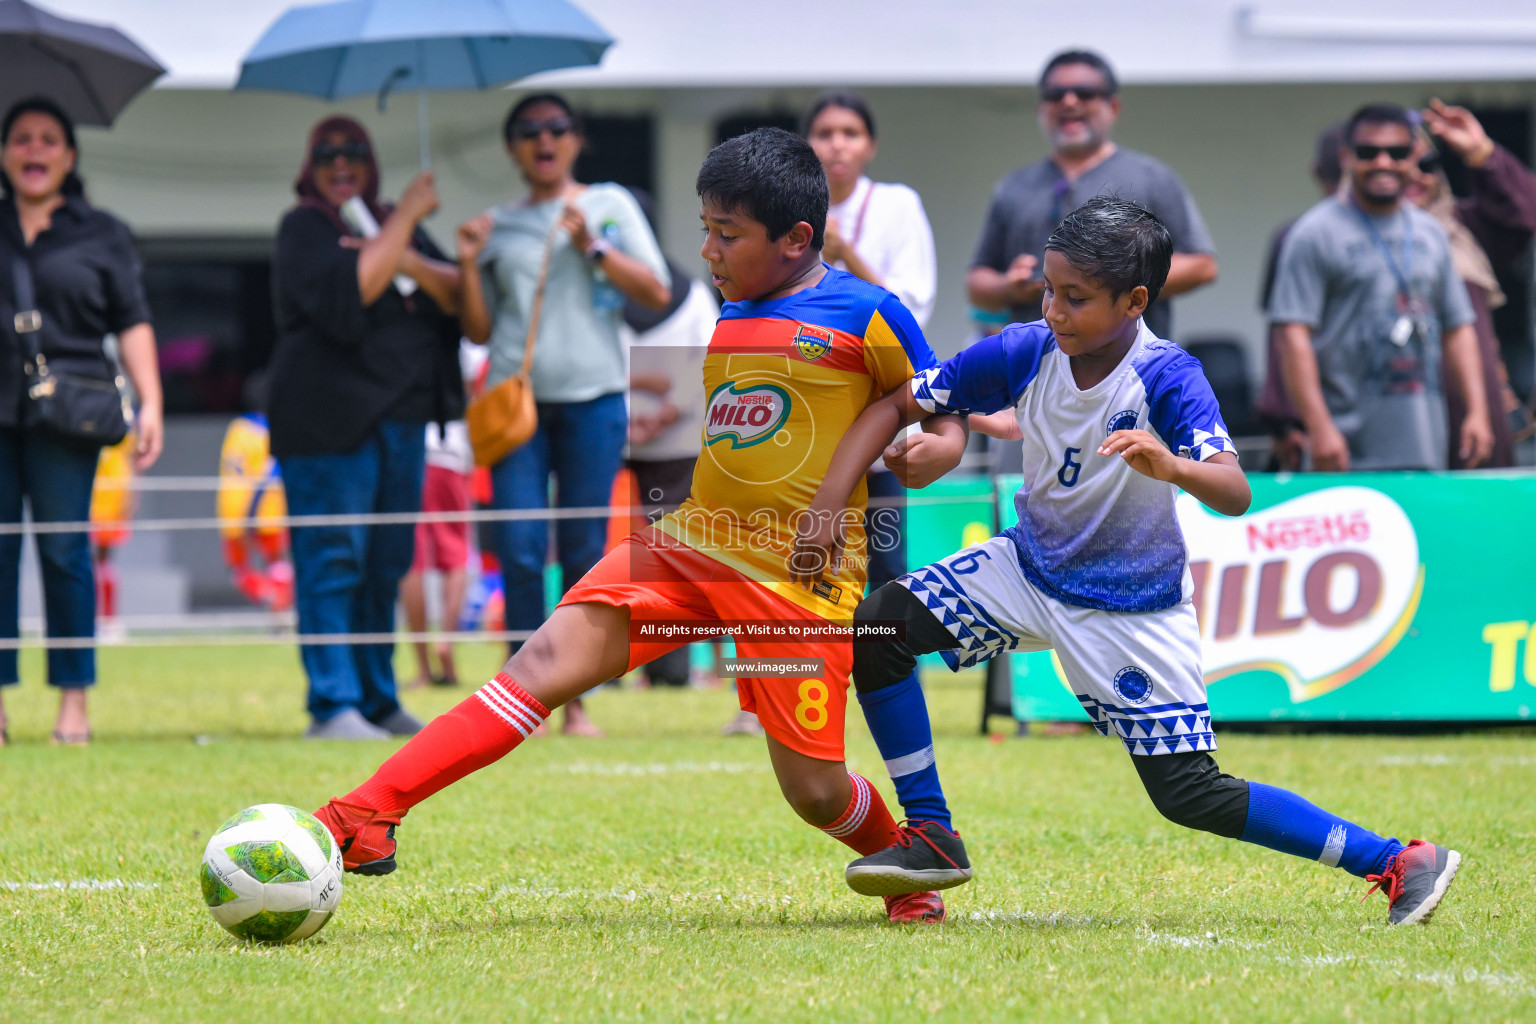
x,y
1325,158
72,186
772,176
1117,243
1087,57
844,100
1377,113
522,105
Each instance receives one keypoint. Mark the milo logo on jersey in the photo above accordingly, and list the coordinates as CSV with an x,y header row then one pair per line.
x,y
745,416
1316,589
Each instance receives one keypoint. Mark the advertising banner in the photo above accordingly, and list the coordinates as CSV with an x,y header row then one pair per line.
x,y
1358,597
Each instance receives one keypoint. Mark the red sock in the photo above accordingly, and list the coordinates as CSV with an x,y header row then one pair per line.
x,y
867,824
480,730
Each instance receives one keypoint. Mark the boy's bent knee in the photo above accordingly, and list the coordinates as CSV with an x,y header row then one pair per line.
x,y
878,663
819,801
1190,790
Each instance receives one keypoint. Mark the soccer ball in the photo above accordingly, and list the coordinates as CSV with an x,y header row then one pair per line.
x,y
272,873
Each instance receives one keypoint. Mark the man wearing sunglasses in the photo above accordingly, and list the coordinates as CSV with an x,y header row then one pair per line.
x,y
1366,303
1079,104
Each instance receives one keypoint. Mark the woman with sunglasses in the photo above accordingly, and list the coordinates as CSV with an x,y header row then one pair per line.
x,y
1489,230
79,264
601,252
366,356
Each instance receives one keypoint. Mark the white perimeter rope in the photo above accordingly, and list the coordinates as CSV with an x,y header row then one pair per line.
x,y
285,638
489,515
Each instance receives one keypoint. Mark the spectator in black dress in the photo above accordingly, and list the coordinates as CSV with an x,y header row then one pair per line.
x,y
86,283
359,369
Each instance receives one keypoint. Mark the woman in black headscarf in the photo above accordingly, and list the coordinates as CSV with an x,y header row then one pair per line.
x,y
366,356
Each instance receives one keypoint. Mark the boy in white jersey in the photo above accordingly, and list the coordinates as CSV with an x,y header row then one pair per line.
x,y
1114,422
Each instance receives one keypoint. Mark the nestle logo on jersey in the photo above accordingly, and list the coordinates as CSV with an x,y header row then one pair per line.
x,y
747,415
813,342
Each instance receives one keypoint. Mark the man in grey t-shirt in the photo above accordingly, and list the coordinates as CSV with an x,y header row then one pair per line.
x,y
1078,107
1366,304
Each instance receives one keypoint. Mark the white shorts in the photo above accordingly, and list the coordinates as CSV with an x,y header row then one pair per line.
x,y
1137,674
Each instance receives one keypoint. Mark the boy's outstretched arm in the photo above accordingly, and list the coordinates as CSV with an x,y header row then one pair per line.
x,y
917,464
1218,482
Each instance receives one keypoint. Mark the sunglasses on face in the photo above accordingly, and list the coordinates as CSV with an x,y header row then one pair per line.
x,y
1369,153
558,127
327,152
1084,93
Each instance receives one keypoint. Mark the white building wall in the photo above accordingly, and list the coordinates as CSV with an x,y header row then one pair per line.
x,y
197,162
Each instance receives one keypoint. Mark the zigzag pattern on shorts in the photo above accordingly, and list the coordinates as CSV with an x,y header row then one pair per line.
x,y
1173,728
980,635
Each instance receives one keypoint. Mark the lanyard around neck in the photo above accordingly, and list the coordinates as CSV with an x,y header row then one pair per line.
x,y
1403,274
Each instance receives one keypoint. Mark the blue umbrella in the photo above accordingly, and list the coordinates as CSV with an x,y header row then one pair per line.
x,y
356,47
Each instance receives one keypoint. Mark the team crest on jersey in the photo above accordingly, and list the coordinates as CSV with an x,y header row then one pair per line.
x,y
1123,420
747,415
813,342
1132,685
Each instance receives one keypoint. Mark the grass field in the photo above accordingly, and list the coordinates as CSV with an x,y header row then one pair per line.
x,y
658,876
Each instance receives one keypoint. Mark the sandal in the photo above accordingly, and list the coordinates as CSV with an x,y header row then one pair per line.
x,y
71,739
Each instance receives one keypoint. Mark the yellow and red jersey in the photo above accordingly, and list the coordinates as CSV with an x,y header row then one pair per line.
x,y
786,378
249,483
112,493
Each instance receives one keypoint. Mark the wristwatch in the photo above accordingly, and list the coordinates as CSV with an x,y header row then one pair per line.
x,y
597,251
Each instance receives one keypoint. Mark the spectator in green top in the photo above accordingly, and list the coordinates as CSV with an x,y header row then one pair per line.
x,y
602,253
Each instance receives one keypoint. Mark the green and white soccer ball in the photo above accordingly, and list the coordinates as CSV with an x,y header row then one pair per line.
x,y
272,873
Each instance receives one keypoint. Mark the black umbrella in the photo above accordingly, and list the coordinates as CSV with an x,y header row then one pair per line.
x,y
92,71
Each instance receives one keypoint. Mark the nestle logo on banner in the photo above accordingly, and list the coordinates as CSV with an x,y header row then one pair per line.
x,y
1309,531
1316,589
747,415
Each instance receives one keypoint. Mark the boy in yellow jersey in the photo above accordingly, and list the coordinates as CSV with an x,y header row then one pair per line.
x,y
112,502
250,487
800,351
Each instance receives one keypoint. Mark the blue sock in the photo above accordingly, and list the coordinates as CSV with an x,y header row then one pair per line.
x,y
898,719
1281,820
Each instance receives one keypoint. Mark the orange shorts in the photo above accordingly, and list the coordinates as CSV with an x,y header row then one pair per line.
x,y
658,579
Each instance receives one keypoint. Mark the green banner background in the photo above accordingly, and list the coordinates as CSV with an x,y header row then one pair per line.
x,y
1467,652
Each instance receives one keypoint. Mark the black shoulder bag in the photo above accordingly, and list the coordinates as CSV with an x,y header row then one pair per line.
x,y
69,404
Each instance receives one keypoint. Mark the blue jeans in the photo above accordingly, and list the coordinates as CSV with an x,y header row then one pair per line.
x,y
346,577
55,475
582,444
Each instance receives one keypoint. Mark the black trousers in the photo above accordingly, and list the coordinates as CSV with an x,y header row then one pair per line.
x,y
1188,789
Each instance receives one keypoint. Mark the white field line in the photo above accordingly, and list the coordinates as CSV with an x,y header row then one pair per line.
x,y
1446,979
636,769
1441,760
996,917
1205,941
68,884
622,896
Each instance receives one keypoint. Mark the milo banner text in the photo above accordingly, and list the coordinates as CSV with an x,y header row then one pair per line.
x,y
1369,597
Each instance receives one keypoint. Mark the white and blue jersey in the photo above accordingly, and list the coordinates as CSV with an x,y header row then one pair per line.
x,y
1096,568
1092,532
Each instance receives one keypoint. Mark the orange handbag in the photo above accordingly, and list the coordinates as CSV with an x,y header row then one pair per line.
x,y
503,418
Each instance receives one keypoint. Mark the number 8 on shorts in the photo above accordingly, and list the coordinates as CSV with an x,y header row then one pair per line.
x,y
811,712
